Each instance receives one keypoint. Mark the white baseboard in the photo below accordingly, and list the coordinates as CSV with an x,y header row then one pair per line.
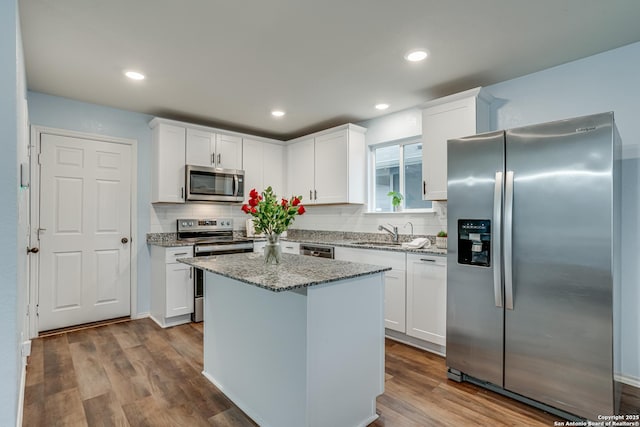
x,y
238,402
627,379
141,315
23,384
415,342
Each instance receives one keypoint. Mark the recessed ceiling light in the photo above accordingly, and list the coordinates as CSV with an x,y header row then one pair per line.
x,y
416,55
134,75
382,106
277,113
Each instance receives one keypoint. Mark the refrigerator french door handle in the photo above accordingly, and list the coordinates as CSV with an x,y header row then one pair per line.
x,y
508,241
497,240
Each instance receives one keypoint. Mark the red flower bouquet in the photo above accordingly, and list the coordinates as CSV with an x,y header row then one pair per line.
x,y
270,215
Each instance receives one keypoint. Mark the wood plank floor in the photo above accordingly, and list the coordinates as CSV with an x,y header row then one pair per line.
x,y
137,374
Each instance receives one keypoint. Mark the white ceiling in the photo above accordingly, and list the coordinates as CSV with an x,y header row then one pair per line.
x,y
325,62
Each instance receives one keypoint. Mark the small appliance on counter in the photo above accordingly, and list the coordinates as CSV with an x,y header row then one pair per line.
x,y
209,237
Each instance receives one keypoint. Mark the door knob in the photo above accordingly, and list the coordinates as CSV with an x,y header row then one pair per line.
x,y
32,250
124,240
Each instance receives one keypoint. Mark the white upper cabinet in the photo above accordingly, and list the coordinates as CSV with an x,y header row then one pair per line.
x,y
463,114
329,166
274,168
213,149
228,151
263,166
200,148
300,160
252,159
168,172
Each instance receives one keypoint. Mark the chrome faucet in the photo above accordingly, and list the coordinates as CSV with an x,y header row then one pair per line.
x,y
393,231
411,224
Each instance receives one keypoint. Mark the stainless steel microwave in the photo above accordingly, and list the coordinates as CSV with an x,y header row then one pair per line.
x,y
214,184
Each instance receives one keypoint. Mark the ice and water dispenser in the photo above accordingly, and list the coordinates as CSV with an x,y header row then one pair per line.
x,y
474,242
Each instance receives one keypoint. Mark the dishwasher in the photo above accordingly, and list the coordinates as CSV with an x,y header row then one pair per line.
x,y
316,250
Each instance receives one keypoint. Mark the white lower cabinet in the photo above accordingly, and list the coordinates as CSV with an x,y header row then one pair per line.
x,y
258,246
394,284
287,247
427,298
171,286
395,300
290,248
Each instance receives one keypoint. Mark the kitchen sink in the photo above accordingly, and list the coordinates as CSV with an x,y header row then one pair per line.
x,y
378,244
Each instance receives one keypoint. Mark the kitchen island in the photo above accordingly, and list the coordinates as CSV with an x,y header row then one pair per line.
x,y
295,344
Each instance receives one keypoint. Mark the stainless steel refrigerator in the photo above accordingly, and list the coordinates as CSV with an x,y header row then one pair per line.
x,y
532,265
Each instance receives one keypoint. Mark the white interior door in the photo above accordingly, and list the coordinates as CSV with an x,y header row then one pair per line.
x,y
85,226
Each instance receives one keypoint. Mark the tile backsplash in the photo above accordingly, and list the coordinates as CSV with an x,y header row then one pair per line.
x,y
164,216
328,218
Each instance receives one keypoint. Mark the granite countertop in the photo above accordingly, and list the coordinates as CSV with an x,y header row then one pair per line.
x,y
294,271
372,245
168,240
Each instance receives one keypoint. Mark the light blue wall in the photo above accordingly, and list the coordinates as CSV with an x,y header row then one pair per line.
x,y
10,360
63,113
606,82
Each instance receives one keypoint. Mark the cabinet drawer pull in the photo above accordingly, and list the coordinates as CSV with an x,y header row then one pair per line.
x,y
181,253
427,259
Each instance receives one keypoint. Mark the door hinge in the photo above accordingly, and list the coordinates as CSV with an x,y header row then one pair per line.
x,y
37,310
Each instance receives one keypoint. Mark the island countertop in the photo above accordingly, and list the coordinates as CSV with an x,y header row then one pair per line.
x,y
293,272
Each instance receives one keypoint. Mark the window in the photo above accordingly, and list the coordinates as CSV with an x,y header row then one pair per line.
x,y
397,167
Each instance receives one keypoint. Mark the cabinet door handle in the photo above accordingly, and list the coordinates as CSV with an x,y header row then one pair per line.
x,y
310,195
427,260
219,159
424,188
315,194
182,192
213,158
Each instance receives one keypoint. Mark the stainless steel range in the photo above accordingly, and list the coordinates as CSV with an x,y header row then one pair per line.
x,y
210,237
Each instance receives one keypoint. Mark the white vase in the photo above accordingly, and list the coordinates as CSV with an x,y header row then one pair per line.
x,y
273,250
441,242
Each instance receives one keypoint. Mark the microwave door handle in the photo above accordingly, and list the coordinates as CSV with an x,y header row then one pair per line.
x,y
236,184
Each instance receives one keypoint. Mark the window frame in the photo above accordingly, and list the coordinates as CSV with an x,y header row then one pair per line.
x,y
371,175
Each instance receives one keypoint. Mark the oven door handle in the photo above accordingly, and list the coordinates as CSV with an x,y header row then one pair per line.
x,y
222,248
